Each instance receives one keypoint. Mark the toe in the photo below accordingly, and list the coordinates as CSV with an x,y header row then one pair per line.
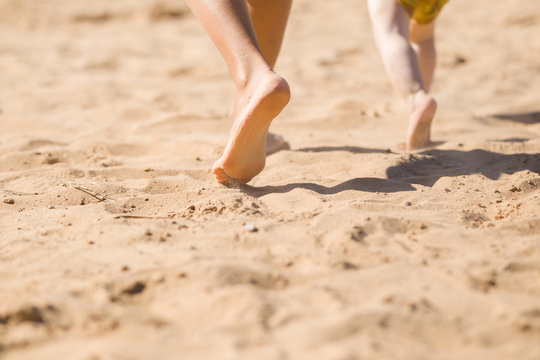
x,y
220,174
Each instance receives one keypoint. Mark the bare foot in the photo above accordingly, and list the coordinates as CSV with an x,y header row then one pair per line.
x,y
274,142
256,106
423,108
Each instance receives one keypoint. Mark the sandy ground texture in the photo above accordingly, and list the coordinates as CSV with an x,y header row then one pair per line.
x,y
117,243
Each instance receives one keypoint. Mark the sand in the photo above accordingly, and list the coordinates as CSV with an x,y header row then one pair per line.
x,y
117,243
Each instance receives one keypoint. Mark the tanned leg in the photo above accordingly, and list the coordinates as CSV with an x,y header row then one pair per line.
x,y
390,22
260,93
422,39
270,21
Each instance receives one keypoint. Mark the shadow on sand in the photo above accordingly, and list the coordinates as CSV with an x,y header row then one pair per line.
x,y
351,149
527,118
427,167
356,184
424,168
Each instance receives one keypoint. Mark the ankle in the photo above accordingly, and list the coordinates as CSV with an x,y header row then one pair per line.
x,y
266,80
417,98
246,75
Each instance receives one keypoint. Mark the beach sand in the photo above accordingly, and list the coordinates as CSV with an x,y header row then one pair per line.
x,y
117,243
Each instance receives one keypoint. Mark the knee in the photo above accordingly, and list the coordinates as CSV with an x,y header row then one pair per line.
x,y
422,34
390,40
424,44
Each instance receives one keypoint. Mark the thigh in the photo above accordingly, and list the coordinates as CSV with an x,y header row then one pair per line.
x,y
388,16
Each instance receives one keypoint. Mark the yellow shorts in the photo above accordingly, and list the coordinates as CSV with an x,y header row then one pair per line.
x,y
423,11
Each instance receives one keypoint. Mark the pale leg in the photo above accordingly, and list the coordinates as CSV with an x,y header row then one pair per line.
x,y
261,93
390,24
